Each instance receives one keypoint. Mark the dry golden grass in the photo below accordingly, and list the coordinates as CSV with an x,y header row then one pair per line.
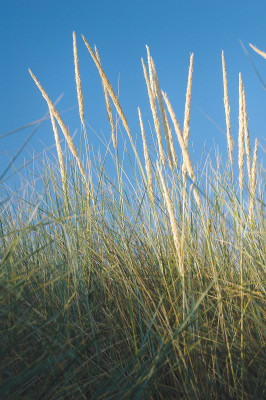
x,y
112,94
154,113
179,137
165,124
188,102
147,158
59,152
246,133
184,149
174,156
62,126
241,152
108,105
260,52
253,181
78,81
227,112
172,218
187,116
108,285
150,67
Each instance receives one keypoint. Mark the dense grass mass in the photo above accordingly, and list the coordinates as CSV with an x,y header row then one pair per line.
x,y
144,288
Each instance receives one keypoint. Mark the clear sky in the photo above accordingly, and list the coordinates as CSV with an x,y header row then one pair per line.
x,y
38,34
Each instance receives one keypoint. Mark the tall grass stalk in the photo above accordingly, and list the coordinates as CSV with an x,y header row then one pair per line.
x,y
62,126
108,105
227,112
59,153
241,151
186,158
147,159
154,112
78,82
165,124
260,52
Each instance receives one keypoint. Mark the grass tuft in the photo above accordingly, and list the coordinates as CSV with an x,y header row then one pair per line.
x,y
155,292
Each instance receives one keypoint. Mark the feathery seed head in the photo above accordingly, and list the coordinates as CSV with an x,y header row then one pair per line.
x,y
260,52
184,149
241,136
154,113
108,86
151,78
78,81
107,103
174,156
187,115
254,167
186,159
227,113
61,124
188,102
167,131
246,131
253,182
59,152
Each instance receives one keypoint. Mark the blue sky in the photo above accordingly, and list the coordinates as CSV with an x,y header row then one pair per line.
x,y
38,34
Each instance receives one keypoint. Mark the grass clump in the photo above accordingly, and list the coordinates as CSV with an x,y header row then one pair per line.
x,y
117,288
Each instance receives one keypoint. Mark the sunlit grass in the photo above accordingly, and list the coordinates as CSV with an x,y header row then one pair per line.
x,y
149,287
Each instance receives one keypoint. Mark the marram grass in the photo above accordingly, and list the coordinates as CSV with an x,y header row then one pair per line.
x,y
154,293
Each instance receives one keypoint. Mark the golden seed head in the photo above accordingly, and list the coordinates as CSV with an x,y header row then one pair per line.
x,y
246,131
188,102
108,105
253,182
227,113
178,131
112,94
241,136
154,113
61,124
260,52
59,151
78,81
168,134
